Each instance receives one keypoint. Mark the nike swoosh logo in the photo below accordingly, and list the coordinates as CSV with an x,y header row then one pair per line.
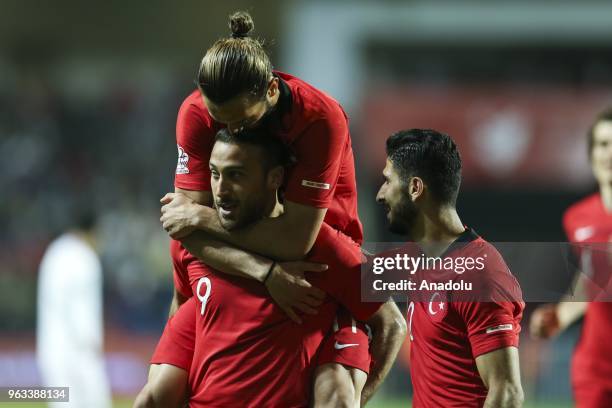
x,y
339,346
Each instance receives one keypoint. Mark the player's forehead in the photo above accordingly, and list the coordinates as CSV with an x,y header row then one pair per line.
x,y
603,131
233,155
389,169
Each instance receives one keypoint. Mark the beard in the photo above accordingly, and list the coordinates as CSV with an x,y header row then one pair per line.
x,y
402,217
248,213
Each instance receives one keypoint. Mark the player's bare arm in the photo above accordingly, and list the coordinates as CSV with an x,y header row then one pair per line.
x,y
500,373
182,215
218,254
284,280
166,388
551,319
389,330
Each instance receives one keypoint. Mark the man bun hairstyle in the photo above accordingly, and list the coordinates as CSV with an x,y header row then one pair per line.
x,y
241,24
235,65
431,155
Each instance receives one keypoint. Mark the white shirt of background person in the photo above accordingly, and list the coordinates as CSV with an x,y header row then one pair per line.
x,y
69,338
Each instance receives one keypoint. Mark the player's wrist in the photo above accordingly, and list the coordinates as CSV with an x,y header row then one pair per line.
x,y
199,220
567,313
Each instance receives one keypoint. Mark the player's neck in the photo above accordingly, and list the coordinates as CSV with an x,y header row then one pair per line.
x,y
437,229
606,196
275,208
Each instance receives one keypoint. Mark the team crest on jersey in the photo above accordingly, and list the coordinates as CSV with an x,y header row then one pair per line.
x,y
437,307
183,158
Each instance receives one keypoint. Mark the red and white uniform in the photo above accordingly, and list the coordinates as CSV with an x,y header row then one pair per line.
x,y
315,127
447,337
247,351
589,226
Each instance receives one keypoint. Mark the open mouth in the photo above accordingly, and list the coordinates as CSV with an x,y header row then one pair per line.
x,y
226,209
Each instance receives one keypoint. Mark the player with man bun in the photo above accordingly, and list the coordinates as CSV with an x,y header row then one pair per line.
x,y
238,89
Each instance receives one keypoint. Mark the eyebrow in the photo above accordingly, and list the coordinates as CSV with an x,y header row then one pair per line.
x,y
232,167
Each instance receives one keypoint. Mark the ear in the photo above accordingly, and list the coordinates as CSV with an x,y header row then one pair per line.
x,y
273,87
416,188
276,177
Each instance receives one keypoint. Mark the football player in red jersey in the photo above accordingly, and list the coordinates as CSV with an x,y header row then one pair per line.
x,y
463,354
588,225
247,352
238,89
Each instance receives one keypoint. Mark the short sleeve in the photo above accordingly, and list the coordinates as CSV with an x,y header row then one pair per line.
x,y
179,269
492,311
177,343
491,325
194,141
319,152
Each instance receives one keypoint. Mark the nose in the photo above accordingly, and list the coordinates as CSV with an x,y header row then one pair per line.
x,y
222,187
380,196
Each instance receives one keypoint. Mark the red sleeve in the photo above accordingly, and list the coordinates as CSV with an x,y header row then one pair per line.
x,y
342,281
492,312
194,139
349,293
319,152
491,325
179,269
177,342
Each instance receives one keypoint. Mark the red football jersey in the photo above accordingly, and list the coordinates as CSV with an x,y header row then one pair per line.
x,y
175,346
589,226
247,351
447,337
312,124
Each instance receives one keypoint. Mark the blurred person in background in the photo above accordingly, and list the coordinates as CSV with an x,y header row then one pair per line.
x,y
462,353
588,226
69,333
238,89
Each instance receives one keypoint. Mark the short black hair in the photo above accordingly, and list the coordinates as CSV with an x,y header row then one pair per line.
x,y
603,116
430,155
275,152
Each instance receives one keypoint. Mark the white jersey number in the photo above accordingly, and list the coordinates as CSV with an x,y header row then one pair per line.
x,y
410,312
203,297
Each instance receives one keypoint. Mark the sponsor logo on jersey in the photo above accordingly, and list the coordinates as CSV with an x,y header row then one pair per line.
x,y
314,184
340,346
183,158
501,327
